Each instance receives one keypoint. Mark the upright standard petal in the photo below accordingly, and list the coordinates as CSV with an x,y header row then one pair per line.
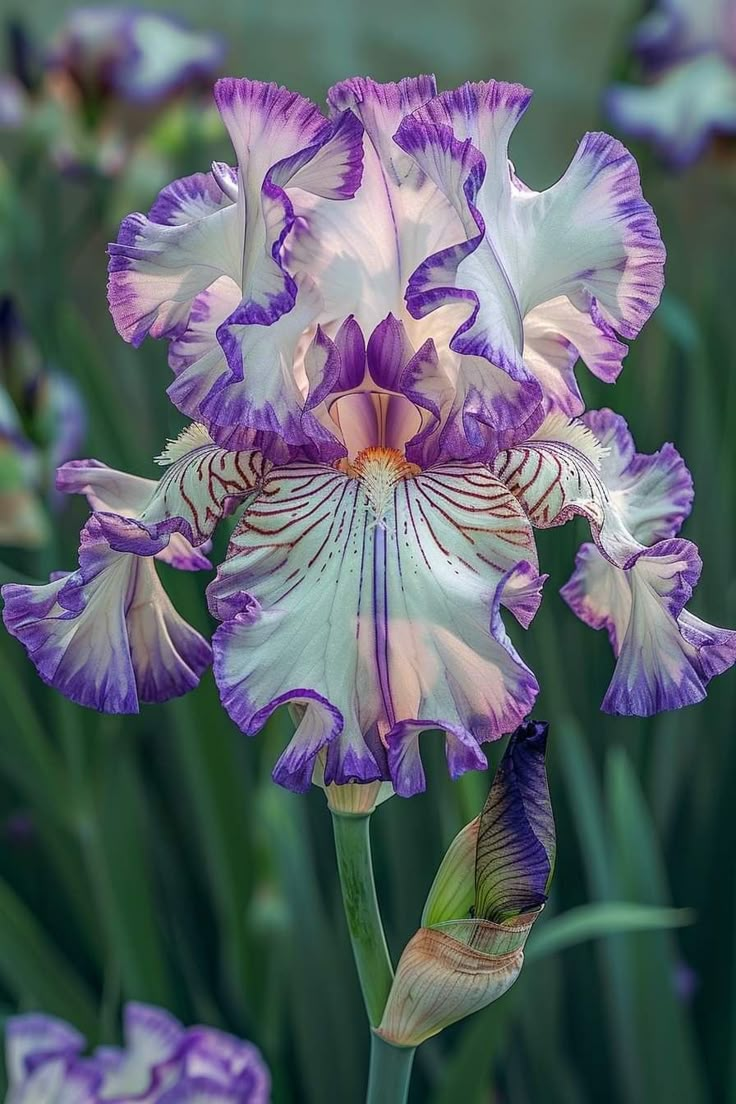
x,y
362,253
160,263
591,238
375,601
215,279
107,636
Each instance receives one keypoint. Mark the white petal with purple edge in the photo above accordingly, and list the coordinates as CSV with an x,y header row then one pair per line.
x,y
151,1060
590,238
665,655
383,625
107,634
33,1034
157,268
226,1060
179,513
398,216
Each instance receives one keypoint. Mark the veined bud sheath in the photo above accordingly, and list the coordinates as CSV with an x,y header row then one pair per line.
x,y
489,890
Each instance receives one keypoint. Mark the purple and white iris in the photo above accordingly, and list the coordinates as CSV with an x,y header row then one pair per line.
x,y
687,51
373,324
135,56
161,1062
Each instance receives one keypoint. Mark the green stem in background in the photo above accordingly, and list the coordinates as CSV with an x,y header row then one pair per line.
x,y
353,847
390,1072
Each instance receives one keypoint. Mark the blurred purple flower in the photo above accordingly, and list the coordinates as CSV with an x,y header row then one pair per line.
x,y
161,1062
687,50
134,55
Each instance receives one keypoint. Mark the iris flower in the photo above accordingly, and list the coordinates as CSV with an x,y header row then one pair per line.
x,y
135,56
161,1062
688,57
373,324
76,93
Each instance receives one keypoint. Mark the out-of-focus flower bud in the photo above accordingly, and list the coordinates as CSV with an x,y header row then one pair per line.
x,y
489,890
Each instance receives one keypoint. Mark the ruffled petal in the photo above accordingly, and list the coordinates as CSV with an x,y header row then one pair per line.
x,y
218,283
258,387
665,655
227,1061
381,625
590,468
160,263
151,1057
176,516
112,491
556,475
107,635
590,238
32,1036
397,217
556,335
682,110
652,493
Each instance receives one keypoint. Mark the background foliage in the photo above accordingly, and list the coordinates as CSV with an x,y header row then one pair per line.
x,y
152,858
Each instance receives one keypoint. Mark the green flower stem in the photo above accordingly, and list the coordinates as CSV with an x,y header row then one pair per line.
x,y
353,847
390,1072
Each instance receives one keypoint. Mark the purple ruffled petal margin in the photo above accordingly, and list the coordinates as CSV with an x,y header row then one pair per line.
x,y
160,1062
390,470
211,284
459,140
665,655
107,636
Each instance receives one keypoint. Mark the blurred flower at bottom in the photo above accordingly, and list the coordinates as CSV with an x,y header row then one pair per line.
x,y
161,1062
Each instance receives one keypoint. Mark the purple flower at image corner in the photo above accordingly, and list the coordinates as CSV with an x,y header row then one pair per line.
x,y
160,1062
687,55
132,54
374,327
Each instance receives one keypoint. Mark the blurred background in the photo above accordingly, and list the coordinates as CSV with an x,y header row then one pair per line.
x,y
151,857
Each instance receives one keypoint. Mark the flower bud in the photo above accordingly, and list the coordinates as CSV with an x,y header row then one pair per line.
x,y
449,971
489,890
